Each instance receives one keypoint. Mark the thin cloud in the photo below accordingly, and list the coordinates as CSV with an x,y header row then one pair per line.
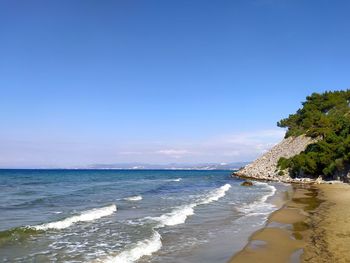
x,y
131,153
221,148
173,152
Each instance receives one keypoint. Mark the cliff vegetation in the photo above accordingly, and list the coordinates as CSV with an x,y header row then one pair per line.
x,y
326,118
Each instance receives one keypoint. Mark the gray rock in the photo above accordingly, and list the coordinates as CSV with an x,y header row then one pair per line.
x,y
247,183
265,167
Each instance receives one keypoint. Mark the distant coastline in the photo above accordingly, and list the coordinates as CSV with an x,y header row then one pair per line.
x,y
142,166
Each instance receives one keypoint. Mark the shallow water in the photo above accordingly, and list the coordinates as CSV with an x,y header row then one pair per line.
x,y
127,216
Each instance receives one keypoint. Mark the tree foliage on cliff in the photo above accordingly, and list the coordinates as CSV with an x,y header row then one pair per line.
x,y
327,117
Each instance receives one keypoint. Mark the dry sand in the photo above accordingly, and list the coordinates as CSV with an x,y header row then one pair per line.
x,y
330,233
313,226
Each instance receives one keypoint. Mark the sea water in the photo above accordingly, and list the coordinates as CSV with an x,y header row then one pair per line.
x,y
128,215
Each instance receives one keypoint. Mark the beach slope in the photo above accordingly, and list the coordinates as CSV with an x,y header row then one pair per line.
x,y
313,226
330,237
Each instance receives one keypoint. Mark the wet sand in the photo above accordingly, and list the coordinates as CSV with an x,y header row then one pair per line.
x,y
287,232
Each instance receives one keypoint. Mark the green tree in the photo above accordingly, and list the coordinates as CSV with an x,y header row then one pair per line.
x,y
326,117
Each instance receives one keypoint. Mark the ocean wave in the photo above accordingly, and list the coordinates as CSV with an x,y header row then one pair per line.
x,y
176,180
142,248
175,217
260,207
270,187
216,194
85,216
181,213
133,198
16,233
172,180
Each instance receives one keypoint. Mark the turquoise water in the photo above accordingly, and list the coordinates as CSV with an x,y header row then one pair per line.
x,y
127,216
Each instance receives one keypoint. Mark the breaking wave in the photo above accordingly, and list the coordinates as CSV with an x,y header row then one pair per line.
x,y
133,198
260,207
177,216
16,233
142,248
181,213
177,180
88,215
215,195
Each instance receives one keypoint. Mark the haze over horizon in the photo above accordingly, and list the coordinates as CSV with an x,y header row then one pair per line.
x,y
86,82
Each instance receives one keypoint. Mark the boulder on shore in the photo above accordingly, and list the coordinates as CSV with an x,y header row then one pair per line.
x,y
247,183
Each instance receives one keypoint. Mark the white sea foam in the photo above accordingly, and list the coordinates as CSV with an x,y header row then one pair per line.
x,y
270,187
85,216
142,248
215,195
260,207
177,180
181,213
133,198
175,217
173,180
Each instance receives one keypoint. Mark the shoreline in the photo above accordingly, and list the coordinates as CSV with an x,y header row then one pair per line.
x,y
282,179
330,237
286,232
313,225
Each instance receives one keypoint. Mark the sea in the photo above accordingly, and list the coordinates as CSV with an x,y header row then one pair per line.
x,y
119,216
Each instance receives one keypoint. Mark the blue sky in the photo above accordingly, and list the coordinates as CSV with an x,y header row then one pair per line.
x,y
87,82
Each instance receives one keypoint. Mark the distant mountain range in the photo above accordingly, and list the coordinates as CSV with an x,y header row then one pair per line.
x,y
171,166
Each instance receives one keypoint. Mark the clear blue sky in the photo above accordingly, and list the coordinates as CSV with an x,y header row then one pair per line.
x,y
161,81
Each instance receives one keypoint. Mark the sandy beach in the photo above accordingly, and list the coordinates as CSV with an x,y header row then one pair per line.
x,y
330,233
312,226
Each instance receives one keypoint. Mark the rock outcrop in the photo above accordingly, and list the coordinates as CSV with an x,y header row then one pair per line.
x,y
265,167
247,183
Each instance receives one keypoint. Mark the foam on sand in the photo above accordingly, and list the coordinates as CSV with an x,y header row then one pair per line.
x,y
85,216
260,207
142,248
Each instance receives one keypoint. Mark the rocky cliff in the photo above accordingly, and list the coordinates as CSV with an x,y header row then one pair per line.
x,y
265,167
